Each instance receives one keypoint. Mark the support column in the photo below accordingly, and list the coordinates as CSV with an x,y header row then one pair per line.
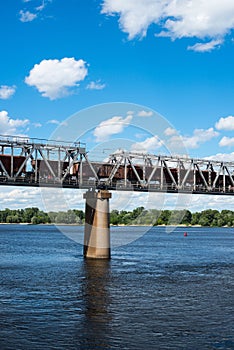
x,y
97,225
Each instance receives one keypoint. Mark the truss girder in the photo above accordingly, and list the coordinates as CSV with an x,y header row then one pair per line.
x,y
202,177
115,168
155,167
182,174
69,166
24,162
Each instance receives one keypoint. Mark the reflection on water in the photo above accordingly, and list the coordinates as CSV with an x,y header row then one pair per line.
x,y
95,291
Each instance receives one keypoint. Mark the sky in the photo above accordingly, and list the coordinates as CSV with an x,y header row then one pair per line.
x,y
120,73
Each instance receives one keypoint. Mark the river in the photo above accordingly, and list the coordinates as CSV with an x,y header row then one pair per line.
x,y
161,291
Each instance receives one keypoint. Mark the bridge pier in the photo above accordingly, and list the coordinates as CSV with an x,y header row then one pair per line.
x,y
97,225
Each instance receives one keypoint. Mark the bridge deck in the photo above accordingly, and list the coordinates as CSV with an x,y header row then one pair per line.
x,y
87,186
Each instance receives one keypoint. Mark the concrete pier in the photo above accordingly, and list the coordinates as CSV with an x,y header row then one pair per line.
x,y
97,225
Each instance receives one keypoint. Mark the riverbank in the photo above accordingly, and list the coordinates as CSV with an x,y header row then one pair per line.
x,y
111,225
137,217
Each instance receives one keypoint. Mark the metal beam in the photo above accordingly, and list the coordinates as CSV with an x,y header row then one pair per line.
x,y
24,162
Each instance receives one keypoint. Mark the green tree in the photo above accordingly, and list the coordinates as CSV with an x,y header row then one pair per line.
x,y
186,217
29,213
80,215
114,217
138,216
35,220
207,217
195,218
164,217
137,212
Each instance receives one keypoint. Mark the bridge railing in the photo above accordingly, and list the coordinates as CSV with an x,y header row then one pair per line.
x,y
15,141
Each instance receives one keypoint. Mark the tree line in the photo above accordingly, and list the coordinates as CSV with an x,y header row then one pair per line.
x,y
138,216
35,216
154,217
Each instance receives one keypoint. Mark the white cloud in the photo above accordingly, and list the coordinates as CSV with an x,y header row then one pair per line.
x,y
227,157
135,16
145,113
151,144
170,131
174,141
27,16
55,78
112,126
206,47
42,6
9,126
56,122
16,198
53,121
140,135
37,125
199,137
6,91
95,85
176,19
226,141
203,202
58,199
19,198
225,123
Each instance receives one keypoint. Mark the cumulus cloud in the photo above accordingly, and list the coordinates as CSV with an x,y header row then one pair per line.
x,y
56,78
170,131
27,16
175,19
145,113
226,141
225,123
201,202
6,91
16,198
227,157
199,137
206,47
135,16
112,126
9,126
149,145
95,85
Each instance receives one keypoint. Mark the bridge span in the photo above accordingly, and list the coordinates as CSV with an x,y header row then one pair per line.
x,y
34,162
61,164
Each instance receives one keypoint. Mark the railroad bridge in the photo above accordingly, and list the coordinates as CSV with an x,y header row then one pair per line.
x,y
48,163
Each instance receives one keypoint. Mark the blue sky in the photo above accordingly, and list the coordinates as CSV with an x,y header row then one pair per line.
x,y
168,61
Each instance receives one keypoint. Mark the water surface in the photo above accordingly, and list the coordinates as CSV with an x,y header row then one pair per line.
x,y
162,291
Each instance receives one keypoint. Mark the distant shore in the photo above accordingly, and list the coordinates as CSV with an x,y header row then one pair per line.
x,y
111,225
137,217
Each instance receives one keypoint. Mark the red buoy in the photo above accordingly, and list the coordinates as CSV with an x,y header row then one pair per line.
x,y
185,234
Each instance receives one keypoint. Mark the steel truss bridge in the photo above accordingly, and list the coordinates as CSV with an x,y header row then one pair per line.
x,y
41,163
